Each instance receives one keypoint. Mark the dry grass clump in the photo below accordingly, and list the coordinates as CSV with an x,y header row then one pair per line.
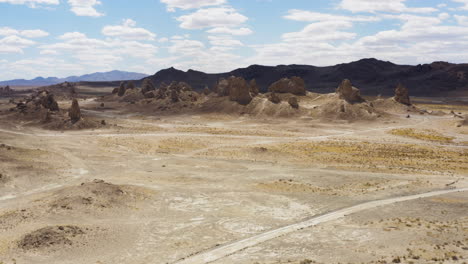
x,y
426,134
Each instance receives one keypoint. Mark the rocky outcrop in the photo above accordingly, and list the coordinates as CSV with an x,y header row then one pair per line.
x,y
122,89
147,86
222,89
274,98
206,91
176,92
6,91
254,90
74,112
402,95
349,93
131,85
48,101
293,102
237,89
295,85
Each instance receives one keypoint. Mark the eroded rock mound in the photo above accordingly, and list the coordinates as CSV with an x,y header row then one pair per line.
x,y
147,87
349,93
254,90
54,236
274,98
176,92
131,85
295,85
74,113
6,91
122,89
237,89
402,95
293,102
48,101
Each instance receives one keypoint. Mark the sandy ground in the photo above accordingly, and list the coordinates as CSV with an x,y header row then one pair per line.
x,y
217,188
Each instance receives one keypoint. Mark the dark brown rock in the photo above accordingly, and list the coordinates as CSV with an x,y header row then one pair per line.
x,y
115,90
122,89
295,85
222,89
147,86
293,102
206,91
239,91
74,113
131,85
347,92
48,102
274,98
402,95
254,90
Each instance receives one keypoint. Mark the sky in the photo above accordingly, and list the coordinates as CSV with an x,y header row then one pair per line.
x,y
62,38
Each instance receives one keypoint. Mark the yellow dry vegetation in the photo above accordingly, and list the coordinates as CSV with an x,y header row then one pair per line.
x,y
344,189
424,134
362,156
379,157
234,132
148,146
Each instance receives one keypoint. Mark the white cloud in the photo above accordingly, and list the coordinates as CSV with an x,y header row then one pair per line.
x,y
190,4
212,17
393,6
31,3
97,52
224,41
308,16
128,31
36,33
462,20
464,2
85,7
321,31
49,52
231,31
14,44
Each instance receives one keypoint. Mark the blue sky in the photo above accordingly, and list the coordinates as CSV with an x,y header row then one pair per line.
x,y
73,37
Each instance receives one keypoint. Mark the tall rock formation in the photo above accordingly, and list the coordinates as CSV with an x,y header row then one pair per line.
x,y
74,112
349,93
402,95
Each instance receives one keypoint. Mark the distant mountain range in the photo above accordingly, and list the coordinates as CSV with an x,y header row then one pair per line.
x,y
372,76
94,77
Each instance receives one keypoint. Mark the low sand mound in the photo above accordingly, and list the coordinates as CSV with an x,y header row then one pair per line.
x,y
390,105
335,108
48,237
64,123
95,194
463,122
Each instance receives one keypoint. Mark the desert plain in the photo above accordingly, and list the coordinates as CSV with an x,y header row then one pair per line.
x,y
266,183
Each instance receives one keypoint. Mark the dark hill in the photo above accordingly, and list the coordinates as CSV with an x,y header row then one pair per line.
x,y
370,75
